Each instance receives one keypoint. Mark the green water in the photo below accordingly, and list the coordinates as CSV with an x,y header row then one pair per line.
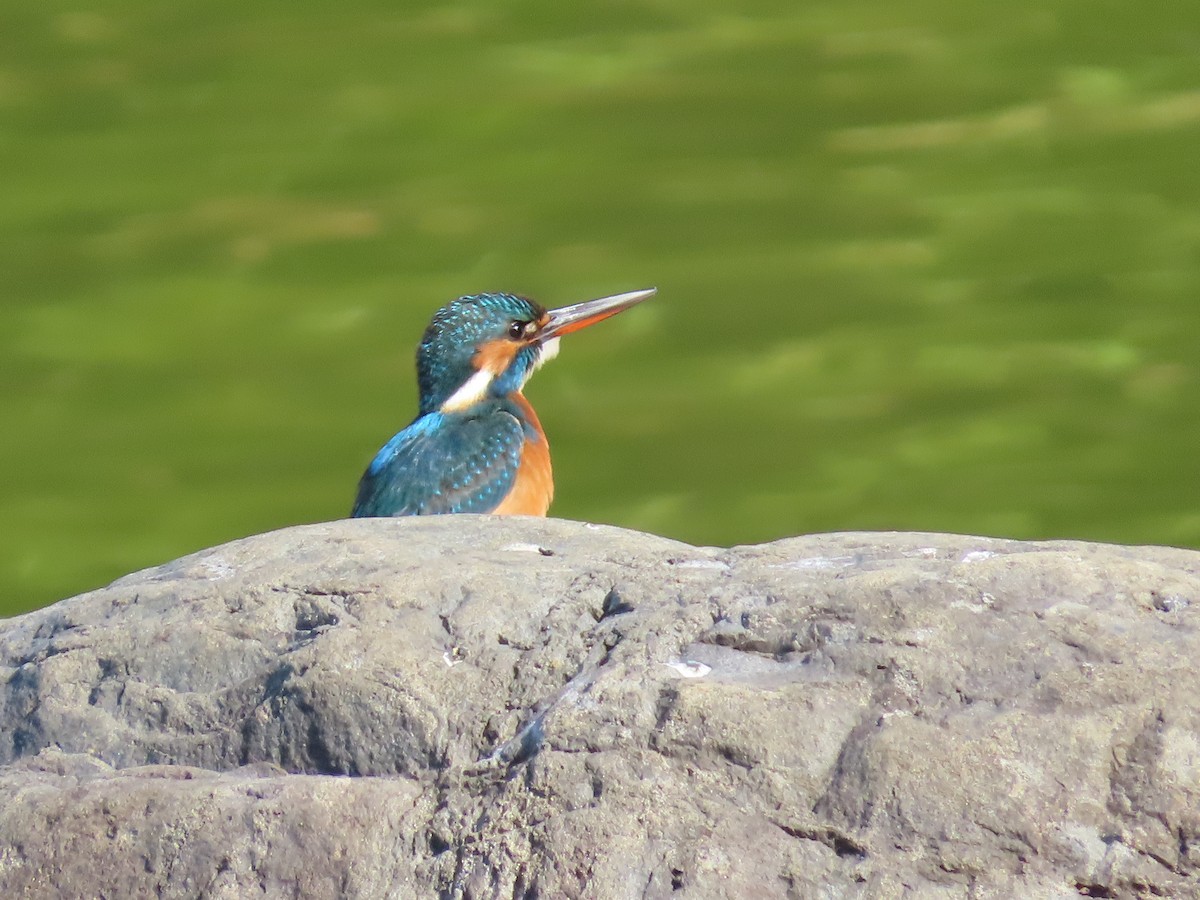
x,y
928,265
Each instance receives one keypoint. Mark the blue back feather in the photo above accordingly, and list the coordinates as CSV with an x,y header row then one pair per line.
x,y
454,463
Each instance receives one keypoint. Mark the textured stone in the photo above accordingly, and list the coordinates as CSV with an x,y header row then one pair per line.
x,y
478,707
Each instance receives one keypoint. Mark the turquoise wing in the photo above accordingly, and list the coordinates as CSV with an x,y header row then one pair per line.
x,y
440,463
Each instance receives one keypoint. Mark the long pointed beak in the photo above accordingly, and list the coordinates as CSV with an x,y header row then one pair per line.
x,y
566,319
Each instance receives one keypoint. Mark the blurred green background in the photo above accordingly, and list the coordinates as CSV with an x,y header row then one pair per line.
x,y
927,265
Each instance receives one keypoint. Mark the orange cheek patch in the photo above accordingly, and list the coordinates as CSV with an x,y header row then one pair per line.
x,y
495,356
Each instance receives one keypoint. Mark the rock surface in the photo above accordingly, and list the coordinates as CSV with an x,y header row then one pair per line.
x,y
477,707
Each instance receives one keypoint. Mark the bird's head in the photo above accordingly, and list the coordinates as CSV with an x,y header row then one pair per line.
x,y
487,345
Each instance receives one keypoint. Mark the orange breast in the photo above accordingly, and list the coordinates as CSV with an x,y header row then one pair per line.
x,y
534,488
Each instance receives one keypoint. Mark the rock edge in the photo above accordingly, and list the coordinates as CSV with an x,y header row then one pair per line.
x,y
475,707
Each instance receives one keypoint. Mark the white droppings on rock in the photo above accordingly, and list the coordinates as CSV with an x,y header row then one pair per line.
x,y
214,568
922,553
977,556
714,564
983,602
918,637
1171,603
688,668
816,562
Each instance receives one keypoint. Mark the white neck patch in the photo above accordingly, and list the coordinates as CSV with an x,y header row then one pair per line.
x,y
549,351
473,390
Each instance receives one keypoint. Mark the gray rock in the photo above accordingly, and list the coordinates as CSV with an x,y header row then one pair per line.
x,y
478,707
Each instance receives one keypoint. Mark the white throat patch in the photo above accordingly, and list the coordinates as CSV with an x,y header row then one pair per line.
x,y
473,390
546,352
549,351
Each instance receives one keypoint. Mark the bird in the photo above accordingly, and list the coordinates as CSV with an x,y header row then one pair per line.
x,y
476,444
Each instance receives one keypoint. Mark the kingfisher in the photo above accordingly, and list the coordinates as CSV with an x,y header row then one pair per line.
x,y
476,445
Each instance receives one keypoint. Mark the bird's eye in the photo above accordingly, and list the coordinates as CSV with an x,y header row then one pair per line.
x,y
518,330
